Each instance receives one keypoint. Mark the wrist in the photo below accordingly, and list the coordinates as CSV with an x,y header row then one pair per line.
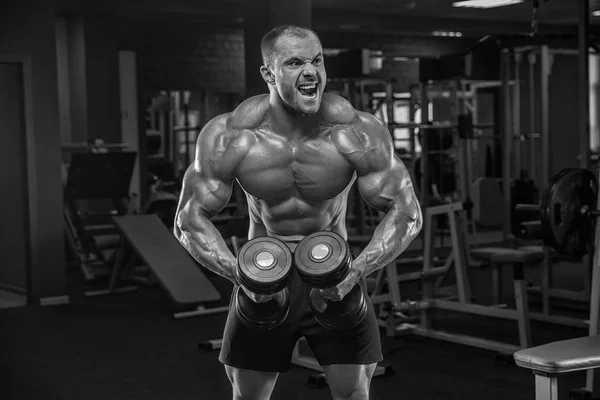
x,y
358,268
233,272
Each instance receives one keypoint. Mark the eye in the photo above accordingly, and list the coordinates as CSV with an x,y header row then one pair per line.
x,y
318,61
296,63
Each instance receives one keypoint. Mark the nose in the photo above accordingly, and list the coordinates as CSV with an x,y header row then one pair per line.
x,y
309,70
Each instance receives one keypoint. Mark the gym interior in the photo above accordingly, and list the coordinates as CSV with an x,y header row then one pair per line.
x,y
492,105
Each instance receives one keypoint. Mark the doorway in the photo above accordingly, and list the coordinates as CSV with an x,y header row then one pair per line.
x,y
15,255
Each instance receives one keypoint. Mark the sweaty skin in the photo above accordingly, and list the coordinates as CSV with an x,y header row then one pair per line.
x,y
297,183
296,152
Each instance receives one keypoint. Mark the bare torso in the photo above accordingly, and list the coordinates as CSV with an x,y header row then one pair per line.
x,y
295,184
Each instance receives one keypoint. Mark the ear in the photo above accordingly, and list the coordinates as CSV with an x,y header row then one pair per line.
x,y
267,75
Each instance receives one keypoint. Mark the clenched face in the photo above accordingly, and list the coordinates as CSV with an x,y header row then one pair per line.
x,y
298,72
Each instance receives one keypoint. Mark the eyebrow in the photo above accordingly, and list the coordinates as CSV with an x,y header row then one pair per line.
x,y
293,58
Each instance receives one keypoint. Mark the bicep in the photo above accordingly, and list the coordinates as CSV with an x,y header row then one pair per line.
x,y
383,179
204,194
208,181
387,187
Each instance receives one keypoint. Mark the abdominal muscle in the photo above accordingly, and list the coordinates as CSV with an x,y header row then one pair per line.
x,y
293,219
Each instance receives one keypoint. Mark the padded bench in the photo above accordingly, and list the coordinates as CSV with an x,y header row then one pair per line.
x,y
552,359
497,257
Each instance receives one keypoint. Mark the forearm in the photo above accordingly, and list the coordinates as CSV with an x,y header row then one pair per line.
x,y
205,243
392,236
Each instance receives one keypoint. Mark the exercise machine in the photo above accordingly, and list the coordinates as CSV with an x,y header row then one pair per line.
x,y
568,219
95,177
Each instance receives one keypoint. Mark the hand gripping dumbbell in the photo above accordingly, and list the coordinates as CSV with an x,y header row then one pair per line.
x,y
264,267
323,260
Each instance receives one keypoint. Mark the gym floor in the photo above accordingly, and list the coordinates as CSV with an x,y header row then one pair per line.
x,y
128,347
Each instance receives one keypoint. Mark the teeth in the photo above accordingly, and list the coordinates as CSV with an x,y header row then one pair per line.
x,y
312,86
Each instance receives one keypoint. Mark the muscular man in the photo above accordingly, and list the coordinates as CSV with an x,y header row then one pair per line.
x,y
296,152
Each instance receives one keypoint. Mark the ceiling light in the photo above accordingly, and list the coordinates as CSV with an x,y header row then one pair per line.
x,y
485,3
446,33
596,13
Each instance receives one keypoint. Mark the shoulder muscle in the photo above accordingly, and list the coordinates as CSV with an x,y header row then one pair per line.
x,y
208,181
337,110
220,148
366,142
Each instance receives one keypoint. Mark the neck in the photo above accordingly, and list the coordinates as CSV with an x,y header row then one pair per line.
x,y
288,121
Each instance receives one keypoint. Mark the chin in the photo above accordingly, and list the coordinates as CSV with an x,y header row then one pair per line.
x,y
309,110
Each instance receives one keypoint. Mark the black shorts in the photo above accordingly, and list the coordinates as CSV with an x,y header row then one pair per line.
x,y
271,351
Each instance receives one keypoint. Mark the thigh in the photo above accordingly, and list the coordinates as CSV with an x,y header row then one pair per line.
x,y
349,381
248,384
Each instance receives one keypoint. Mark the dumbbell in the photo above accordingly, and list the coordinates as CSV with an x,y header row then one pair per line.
x,y
264,266
322,260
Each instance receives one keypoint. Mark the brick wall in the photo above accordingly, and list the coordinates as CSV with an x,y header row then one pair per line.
x,y
186,55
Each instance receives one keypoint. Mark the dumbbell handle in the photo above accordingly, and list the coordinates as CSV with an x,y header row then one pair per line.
x,y
531,230
528,207
261,296
322,295
536,208
590,212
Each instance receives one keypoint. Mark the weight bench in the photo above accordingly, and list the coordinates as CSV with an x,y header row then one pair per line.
x,y
176,271
497,257
553,359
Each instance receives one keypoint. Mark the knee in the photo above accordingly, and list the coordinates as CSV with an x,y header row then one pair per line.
x,y
239,394
350,393
251,385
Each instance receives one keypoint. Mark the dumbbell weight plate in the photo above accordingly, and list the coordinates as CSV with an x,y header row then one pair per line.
x,y
263,316
339,315
322,259
264,265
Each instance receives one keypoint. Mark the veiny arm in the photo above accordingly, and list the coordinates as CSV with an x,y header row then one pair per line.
x,y
385,184
207,187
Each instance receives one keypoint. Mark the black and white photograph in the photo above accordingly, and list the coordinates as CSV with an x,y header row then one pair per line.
x,y
300,200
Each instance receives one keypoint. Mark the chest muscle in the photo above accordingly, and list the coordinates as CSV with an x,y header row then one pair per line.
x,y
278,170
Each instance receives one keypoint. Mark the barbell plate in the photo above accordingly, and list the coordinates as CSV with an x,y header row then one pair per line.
x,y
566,227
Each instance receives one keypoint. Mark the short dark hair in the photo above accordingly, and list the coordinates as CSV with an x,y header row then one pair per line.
x,y
267,44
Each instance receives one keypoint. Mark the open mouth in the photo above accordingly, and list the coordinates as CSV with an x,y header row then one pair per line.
x,y
308,89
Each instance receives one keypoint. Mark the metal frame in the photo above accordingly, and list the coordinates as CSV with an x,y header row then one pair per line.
x,y
546,387
592,377
507,139
546,383
462,100
544,54
463,302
